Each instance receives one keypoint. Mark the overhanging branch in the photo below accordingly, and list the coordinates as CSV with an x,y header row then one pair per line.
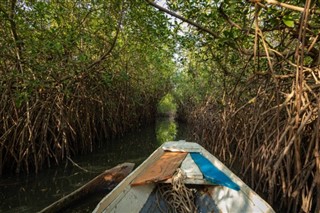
x,y
197,25
284,5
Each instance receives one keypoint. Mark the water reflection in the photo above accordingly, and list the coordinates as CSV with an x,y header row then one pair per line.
x,y
34,192
166,130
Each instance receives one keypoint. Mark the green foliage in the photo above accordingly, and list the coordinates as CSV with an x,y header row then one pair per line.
x,y
219,65
75,72
167,104
287,20
242,76
166,131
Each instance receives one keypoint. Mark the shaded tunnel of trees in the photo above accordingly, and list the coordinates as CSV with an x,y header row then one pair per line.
x,y
74,73
245,75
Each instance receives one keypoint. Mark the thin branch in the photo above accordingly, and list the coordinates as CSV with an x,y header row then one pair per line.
x,y
113,44
76,165
288,6
197,25
226,17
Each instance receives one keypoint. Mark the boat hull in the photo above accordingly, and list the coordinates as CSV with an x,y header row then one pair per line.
x,y
127,198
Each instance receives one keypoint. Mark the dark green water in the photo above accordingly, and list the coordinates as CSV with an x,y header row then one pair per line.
x,y
31,193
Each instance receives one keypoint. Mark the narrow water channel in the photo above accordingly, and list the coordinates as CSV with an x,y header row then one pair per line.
x,y
31,193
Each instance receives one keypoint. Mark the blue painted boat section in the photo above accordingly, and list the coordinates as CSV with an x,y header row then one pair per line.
x,y
212,173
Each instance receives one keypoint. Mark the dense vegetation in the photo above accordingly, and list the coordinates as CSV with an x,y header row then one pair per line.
x,y
245,73
74,73
249,82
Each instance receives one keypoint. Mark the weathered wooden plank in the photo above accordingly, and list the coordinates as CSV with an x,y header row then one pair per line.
x,y
192,172
131,199
162,169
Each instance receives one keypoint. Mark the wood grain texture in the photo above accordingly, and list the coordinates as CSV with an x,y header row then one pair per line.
x,y
162,169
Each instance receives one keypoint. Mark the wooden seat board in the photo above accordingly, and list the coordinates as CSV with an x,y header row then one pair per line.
x,y
162,169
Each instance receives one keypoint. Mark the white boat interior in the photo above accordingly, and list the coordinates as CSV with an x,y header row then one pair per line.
x,y
210,198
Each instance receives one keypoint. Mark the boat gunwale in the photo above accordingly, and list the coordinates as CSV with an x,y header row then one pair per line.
x,y
124,187
247,191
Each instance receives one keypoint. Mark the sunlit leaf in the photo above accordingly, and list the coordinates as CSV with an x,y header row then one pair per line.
x,y
289,22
